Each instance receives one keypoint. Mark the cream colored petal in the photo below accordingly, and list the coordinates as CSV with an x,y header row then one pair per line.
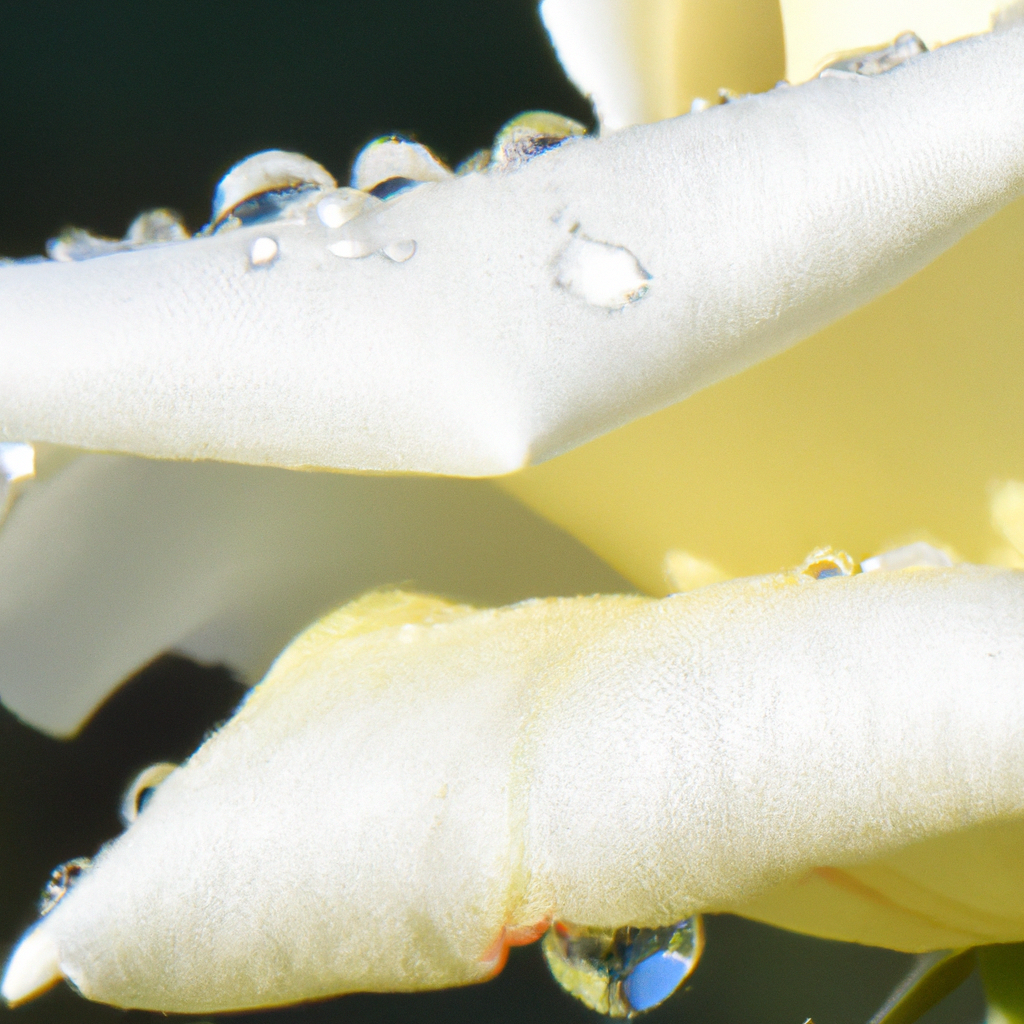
x,y
751,225
818,30
413,776
641,62
113,560
892,425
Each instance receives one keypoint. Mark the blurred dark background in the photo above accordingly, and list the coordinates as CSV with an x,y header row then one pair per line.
x,y
109,108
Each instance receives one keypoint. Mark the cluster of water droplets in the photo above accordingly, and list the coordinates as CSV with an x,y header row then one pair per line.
x,y
624,971
154,227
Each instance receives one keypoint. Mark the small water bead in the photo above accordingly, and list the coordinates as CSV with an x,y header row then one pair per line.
x,y
263,251
531,134
600,274
62,880
391,164
343,205
266,186
624,971
877,62
142,787
824,564
919,555
399,252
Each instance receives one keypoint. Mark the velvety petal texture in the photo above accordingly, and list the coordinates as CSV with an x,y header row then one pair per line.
x,y
498,338
413,777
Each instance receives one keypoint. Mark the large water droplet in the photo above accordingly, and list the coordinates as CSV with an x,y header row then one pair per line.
x,y
876,62
391,164
62,880
625,971
601,274
270,185
531,134
142,787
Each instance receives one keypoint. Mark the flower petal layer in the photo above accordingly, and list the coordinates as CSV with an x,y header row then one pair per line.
x,y
109,561
754,224
414,776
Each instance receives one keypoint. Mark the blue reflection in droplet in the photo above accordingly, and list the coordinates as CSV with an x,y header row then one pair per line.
x,y
653,980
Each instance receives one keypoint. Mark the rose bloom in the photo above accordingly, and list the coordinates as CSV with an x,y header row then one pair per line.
x,y
897,424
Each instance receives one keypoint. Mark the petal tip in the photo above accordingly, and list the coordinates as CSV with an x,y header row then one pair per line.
x,y
33,968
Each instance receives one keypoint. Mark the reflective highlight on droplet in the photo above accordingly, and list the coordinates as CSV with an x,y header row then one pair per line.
x,y
271,185
263,251
142,787
17,463
394,164
877,62
531,134
601,274
625,971
154,227
62,881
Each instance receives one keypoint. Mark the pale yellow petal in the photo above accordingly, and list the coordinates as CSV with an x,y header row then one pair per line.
x,y
413,777
646,61
817,30
890,425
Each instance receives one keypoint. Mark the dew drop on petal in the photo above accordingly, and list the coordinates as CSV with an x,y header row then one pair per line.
x,y
62,880
622,972
601,274
341,206
142,787
399,252
351,248
75,244
263,251
531,134
824,564
266,186
919,555
392,157
876,62
156,227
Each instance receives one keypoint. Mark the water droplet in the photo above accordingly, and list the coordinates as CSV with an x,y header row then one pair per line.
x,y
389,158
699,105
156,227
352,248
919,555
601,274
263,251
399,252
62,880
824,563
625,971
142,787
876,62
479,161
268,186
342,206
531,134
75,244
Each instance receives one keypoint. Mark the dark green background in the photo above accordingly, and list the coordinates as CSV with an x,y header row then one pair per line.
x,y
109,108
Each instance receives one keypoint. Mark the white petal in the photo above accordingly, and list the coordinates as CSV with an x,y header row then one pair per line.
x,y
413,776
758,221
114,560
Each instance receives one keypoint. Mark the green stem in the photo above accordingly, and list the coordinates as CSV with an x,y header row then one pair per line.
x,y
1002,973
